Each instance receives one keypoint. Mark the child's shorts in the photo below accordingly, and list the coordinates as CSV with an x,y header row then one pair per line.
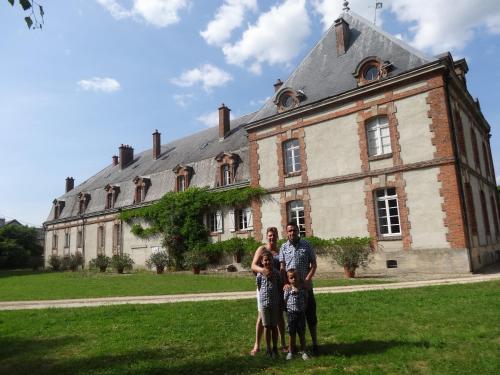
x,y
296,322
269,316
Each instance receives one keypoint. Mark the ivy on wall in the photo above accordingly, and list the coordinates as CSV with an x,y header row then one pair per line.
x,y
178,217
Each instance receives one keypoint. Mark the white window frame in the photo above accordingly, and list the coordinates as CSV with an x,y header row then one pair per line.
x,y
378,136
181,183
291,154
243,219
227,178
67,240
385,203
296,214
215,222
101,238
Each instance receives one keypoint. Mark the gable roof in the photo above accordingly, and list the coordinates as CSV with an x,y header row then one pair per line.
x,y
322,73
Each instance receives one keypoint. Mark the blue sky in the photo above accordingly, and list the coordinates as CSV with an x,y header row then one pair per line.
x,y
105,72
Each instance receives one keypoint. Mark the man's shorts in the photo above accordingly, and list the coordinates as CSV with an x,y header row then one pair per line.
x,y
296,322
269,316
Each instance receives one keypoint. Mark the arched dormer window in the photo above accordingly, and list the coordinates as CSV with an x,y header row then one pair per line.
x,y
287,98
58,207
371,69
83,202
228,163
183,176
112,192
142,185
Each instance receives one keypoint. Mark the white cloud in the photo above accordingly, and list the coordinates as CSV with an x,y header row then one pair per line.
x,y
228,17
99,84
208,75
209,119
160,13
276,37
439,27
330,10
183,100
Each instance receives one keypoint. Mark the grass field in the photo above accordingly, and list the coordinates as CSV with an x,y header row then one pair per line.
x,y
434,330
18,286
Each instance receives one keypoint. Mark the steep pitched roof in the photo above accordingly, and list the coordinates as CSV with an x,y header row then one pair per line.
x,y
322,73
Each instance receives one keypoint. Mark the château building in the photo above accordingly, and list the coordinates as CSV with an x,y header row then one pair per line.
x,y
367,137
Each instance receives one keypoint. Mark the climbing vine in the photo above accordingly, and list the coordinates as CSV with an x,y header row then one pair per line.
x,y
178,217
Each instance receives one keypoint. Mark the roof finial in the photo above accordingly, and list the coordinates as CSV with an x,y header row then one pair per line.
x,y
346,6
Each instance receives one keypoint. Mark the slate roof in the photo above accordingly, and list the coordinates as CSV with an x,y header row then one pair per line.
x,y
323,74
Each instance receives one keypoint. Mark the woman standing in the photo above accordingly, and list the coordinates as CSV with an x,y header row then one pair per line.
x,y
272,239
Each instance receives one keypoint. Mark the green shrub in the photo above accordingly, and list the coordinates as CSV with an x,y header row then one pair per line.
x,y
351,252
55,262
195,259
159,259
101,262
71,262
122,262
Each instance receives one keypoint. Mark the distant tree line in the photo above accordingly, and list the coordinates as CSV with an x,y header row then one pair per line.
x,y
19,247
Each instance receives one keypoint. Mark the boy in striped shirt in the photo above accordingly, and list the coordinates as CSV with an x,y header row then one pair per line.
x,y
295,301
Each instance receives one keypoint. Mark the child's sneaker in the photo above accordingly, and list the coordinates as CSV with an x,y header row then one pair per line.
x,y
305,357
289,356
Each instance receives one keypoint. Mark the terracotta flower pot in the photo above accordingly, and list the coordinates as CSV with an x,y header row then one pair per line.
x,y
160,269
196,270
348,272
237,258
102,268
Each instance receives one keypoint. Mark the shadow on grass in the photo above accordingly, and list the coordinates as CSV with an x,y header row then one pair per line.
x,y
19,272
61,356
368,347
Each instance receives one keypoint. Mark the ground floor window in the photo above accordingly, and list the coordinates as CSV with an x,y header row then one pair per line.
x,y
296,215
243,219
215,222
54,241
101,239
79,238
388,212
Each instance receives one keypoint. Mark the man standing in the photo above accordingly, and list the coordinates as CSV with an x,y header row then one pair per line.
x,y
298,254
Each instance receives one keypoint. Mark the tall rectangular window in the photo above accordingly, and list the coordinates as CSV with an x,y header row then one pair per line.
x,y
67,239
484,208
291,150
181,183
116,238
79,238
226,173
379,137
215,222
296,215
244,219
101,239
388,212
54,241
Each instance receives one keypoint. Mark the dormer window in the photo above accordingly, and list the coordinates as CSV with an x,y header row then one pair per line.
x,y
183,177
371,69
288,98
111,195
83,201
141,188
58,207
228,164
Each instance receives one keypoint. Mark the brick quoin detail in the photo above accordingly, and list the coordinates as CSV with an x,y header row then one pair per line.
x,y
254,182
447,176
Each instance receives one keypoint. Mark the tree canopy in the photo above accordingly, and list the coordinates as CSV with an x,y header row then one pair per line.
x,y
34,11
17,244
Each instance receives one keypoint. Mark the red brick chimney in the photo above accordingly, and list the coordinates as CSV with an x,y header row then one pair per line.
x,y
156,145
126,155
70,183
224,121
277,85
115,159
342,34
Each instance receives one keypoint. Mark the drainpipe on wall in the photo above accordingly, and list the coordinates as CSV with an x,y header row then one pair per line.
x,y
83,240
458,170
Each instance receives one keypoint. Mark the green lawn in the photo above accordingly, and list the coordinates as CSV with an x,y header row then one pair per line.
x,y
19,286
434,330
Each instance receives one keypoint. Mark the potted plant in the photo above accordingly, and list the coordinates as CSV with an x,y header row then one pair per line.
x,y
196,260
55,262
351,253
73,261
159,260
122,262
101,261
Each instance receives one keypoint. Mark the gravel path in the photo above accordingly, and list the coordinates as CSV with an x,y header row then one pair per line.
x,y
91,302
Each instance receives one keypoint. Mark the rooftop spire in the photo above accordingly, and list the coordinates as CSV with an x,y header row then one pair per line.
x,y
346,6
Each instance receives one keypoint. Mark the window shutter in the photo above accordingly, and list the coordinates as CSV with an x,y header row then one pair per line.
x,y
249,218
232,220
220,226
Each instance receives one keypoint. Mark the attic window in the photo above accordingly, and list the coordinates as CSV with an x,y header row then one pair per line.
x,y
287,99
371,69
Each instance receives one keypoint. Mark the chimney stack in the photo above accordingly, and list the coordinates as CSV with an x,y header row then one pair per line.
x,y
126,155
156,145
278,85
342,34
224,121
70,183
115,160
